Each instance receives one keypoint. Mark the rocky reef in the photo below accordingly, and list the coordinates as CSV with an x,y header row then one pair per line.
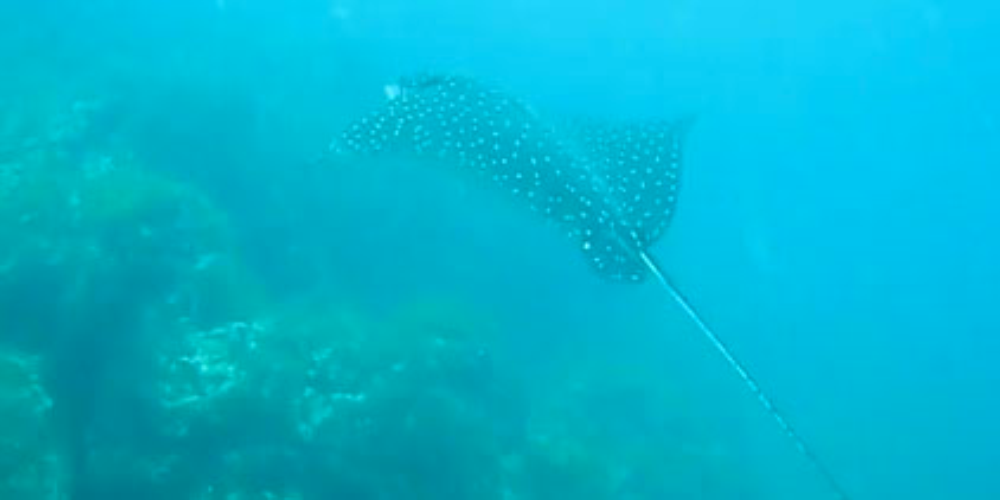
x,y
142,355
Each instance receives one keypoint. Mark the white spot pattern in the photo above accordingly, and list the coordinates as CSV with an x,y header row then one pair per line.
x,y
611,186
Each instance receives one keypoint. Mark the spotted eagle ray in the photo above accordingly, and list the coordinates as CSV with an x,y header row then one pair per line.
x,y
612,188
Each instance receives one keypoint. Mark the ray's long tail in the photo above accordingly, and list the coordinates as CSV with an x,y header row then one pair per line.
x,y
748,380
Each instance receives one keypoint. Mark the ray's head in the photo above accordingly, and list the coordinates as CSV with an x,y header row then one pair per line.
x,y
407,86
413,107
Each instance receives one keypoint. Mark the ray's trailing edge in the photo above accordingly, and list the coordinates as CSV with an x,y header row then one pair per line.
x,y
612,188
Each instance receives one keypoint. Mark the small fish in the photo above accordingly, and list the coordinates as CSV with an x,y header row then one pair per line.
x,y
611,187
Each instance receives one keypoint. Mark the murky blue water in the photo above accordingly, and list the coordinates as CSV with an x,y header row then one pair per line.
x,y
836,225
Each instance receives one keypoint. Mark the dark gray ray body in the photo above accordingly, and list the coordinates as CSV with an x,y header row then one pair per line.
x,y
611,188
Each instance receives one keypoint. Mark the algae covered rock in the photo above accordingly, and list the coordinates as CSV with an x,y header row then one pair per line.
x,y
613,429
256,473
31,465
371,409
205,379
101,259
78,236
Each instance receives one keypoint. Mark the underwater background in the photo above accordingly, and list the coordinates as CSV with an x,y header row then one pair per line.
x,y
195,303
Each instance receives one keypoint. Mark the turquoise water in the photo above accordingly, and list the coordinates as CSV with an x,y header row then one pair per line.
x,y
196,303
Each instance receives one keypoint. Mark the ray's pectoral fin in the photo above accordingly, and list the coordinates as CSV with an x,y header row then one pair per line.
x,y
639,166
613,258
648,180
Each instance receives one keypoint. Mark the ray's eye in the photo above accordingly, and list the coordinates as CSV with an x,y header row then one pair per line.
x,y
393,91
